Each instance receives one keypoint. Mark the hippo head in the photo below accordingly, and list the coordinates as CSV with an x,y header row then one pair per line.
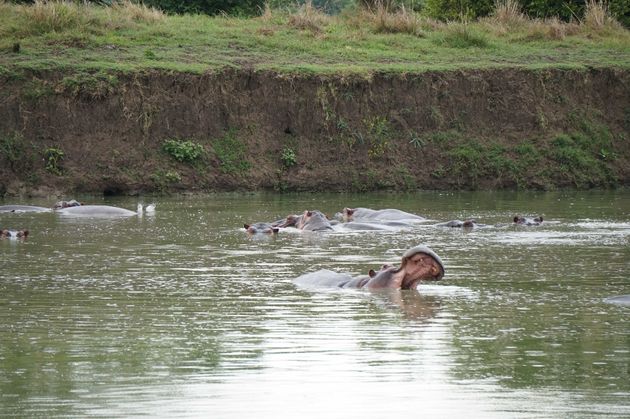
x,y
66,204
311,216
520,220
260,228
290,221
347,214
468,224
420,263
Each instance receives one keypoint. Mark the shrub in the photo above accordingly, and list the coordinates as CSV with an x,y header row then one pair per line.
x,y
288,157
53,157
183,151
231,153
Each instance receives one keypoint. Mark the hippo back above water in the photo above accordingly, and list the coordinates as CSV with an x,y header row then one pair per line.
x,y
367,214
23,208
97,211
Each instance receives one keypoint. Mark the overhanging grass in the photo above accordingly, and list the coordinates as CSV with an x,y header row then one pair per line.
x,y
97,38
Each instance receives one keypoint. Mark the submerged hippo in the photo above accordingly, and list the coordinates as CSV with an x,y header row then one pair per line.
x,y
23,208
528,221
8,234
461,224
261,228
104,211
367,214
622,300
418,263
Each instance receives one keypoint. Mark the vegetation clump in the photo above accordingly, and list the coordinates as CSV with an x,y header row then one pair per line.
x,y
185,151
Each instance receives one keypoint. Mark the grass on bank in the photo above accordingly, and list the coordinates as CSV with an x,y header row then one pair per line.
x,y
128,36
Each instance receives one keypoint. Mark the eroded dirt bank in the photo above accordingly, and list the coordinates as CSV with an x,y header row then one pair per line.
x,y
485,129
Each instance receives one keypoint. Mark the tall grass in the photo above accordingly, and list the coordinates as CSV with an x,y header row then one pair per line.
x,y
597,16
508,12
308,17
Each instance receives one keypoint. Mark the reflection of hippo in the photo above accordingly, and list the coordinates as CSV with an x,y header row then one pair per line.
x,y
19,234
367,214
98,211
23,208
622,300
527,221
418,263
461,224
260,228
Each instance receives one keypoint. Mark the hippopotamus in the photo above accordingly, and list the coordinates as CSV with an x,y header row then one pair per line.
x,y
23,208
261,228
461,224
528,221
622,300
367,214
418,263
19,234
98,211
313,221
66,204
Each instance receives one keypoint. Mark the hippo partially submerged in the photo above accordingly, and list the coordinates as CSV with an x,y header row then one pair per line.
x,y
622,300
260,228
309,220
23,208
418,263
13,234
461,224
527,221
367,214
102,211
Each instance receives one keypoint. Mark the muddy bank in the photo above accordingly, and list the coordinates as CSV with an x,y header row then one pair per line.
x,y
243,130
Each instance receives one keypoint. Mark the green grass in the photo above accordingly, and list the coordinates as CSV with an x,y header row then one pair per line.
x,y
91,38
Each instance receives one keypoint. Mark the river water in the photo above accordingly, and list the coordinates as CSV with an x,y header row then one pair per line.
x,y
181,314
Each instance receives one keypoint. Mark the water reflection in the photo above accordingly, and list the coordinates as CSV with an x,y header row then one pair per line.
x,y
181,314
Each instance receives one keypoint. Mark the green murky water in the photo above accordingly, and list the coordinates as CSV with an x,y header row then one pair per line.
x,y
180,314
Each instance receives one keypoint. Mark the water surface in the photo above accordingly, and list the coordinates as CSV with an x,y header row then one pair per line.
x,y
180,314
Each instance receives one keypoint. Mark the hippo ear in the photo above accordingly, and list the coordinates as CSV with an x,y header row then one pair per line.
x,y
275,230
371,273
350,211
539,219
516,218
246,226
309,213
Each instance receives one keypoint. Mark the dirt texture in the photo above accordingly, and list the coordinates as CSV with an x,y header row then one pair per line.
x,y
475,129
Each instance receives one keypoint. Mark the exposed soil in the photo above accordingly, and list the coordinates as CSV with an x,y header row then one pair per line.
x,y
485,129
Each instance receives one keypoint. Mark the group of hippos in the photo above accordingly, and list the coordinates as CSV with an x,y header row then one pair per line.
x,y
365,219
69,208
420,263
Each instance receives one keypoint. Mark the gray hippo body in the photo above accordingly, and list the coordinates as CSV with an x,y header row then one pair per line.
x,y
104,211
261,228
367,214
622,300
23,208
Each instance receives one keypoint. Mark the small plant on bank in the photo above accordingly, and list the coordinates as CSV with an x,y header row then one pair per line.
x,y
53,157
184,151
231,153
288,158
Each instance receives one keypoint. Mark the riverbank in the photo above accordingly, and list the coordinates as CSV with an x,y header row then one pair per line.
x,y
213,104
